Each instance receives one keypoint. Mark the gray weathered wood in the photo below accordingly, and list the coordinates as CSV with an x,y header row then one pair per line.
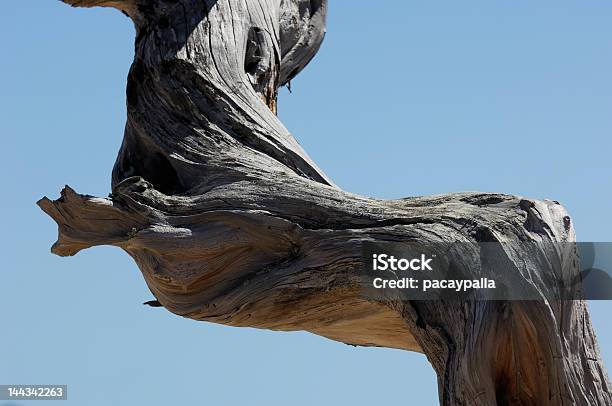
x,y
231,222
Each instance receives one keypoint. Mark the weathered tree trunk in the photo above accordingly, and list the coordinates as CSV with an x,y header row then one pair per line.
x,y
231,222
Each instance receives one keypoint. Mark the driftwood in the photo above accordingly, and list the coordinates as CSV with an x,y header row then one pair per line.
x,y
231,222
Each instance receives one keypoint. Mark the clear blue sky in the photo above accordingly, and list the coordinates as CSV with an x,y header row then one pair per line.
x,y
405,98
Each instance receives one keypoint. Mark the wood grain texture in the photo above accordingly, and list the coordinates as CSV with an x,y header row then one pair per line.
x,y
231,222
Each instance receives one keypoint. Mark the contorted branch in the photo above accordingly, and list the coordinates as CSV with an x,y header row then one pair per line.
x,y
231,222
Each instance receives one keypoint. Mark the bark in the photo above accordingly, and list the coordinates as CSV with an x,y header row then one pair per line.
x,y
231,222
